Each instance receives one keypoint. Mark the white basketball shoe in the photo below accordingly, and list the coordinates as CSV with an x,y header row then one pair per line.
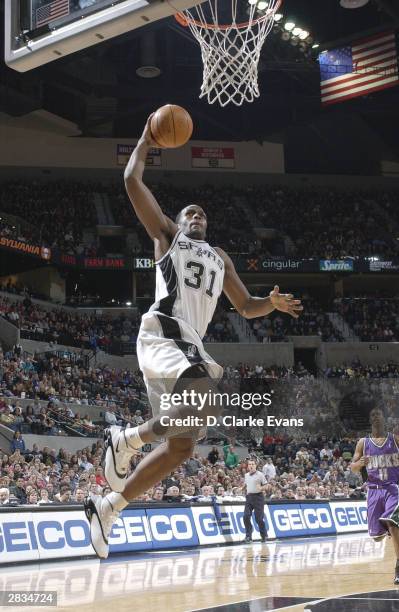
x,y
117,457
101,516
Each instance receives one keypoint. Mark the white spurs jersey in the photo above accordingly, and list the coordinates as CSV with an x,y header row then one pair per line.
x,y
189,281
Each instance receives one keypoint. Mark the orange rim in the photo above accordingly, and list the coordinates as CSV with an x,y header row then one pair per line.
x,y
185,21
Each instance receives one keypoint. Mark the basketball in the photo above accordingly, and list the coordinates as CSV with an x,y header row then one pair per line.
x,y
171,126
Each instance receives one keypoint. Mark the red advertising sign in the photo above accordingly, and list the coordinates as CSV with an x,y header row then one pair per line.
x,y
212,157
104,262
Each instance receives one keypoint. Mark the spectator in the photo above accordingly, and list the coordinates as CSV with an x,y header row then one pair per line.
x,y
79,495
17,443
213,455
64,496
172,494
269,469
326,452
230,457
158,495
207,493
193,465
100,479
44,497
4,496
19,491
33,498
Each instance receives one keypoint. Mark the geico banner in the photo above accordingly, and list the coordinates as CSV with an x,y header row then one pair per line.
x,y
302,519
130,532
349,516
34,536
172,528
43,535
218,524
153,529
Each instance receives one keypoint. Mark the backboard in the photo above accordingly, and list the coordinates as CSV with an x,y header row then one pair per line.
x,y
40,31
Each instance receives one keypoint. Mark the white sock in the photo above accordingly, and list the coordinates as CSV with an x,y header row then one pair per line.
x,y
117,501
130,439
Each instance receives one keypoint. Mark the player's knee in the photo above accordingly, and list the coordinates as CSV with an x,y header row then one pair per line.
x,y
181,448
208,401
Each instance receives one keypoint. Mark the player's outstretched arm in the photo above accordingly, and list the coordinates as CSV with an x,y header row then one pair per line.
x,y
359,460
249,306
145,205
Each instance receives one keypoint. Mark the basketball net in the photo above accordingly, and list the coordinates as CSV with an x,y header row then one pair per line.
x,y
230,53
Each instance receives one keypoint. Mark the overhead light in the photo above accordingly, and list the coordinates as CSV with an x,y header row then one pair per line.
x,y
148,72
315,46
296,31
289,25
262,5
278,16
353,4
128,303
252,2
303,35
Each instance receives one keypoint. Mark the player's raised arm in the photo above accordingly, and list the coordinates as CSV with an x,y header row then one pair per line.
x,y
359,460
249,306
145,205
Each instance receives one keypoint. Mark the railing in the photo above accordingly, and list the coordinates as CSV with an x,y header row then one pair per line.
x,y
72,358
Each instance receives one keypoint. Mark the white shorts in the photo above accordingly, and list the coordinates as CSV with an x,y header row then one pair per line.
x,y
166,348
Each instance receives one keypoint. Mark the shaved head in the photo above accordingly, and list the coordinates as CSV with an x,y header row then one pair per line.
x,y
192,221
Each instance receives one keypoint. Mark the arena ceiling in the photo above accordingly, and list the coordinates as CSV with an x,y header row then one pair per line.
x,y
99,91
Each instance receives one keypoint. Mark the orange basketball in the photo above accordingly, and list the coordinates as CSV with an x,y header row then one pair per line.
x,y
171,126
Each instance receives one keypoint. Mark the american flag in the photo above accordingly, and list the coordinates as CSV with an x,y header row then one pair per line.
x,y
51,11
368,65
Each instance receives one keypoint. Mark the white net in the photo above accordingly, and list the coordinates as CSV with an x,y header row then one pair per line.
x,y
230,53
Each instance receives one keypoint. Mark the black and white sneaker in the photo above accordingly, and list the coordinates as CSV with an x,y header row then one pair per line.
x,y
101,517
117,457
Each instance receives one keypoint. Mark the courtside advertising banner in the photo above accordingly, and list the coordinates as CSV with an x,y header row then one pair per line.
x,y
30,536
222,524
349,517
302,519
61,534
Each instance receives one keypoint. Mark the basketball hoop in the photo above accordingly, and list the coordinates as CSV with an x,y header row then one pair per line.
x,y
230,52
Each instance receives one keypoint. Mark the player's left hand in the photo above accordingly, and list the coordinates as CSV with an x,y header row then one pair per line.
x,y
285,302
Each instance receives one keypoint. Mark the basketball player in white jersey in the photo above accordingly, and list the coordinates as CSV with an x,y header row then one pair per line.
x,y
190,276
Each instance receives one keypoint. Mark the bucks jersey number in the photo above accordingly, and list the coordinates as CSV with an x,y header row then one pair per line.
x,y
195,280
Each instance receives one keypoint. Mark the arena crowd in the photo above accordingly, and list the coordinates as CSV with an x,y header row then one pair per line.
x,y
306,222
315,468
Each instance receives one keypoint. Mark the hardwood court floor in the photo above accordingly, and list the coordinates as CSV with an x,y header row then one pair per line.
x,y
293,575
